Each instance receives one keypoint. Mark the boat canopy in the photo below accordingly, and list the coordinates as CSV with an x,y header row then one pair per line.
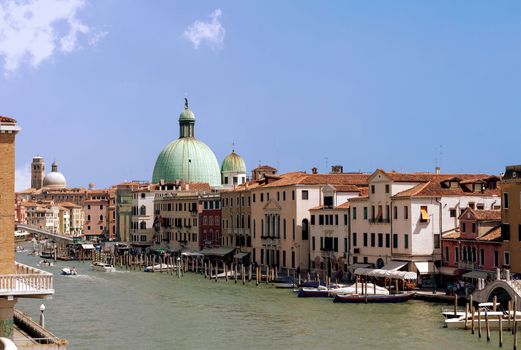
x,y
402,275
240,255
87,246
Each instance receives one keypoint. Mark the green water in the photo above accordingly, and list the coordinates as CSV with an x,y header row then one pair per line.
x,y
137,310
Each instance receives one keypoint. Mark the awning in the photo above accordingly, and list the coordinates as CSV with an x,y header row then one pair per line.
x,y
192,254
403,275
476,274
425,267
424,214
217,251
87,246
449,271
240,255
394,265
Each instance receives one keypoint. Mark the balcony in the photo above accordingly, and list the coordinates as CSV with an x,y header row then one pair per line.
x,y
27,281
463,265
379,221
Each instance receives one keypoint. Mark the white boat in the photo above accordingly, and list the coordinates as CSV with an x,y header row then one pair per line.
x,y
69,271
103,267
20,249
485,311
45,262
159,267
357,289
231,274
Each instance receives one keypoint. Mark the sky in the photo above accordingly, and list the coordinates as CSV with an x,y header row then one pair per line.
x,y
399,85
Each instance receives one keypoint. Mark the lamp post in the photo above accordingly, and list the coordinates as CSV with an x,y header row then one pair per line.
x,y
42,316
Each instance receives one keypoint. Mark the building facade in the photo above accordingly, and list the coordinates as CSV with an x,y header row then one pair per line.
x,y
511,218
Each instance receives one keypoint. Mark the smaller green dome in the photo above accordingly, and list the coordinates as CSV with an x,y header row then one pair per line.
x,y
233,163
187,114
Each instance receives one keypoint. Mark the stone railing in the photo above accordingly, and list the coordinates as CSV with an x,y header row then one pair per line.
x,y
28,281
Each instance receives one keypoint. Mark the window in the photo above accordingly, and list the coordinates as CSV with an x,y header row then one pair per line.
x,y
305,195
284,228
345,220
505,200
452,212
446,256
254,198
372,189
321,219
496,258
505,232
354,239
387,240
380,240
293,260
507,258
406,241
480,206
335,244
278,196
437,241
292,195
406,212
373,239
365,213
312,219
336,219
365,239
293,228
328,201
262,197
313,243
456,254
226,180
354,213
473,227
482,257
395,213
395,241
387,188
345,245
284,195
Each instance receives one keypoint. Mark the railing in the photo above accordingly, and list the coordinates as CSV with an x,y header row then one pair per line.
x,y
26,281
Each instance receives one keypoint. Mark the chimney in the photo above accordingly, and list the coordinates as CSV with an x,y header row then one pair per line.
x,y
91,186
437,170
314,170
337,169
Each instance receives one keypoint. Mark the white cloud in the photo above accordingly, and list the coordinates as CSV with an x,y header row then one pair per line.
x,y
211,32
22,178
32,30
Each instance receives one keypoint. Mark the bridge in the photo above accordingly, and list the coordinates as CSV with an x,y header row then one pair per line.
x,y
504,290
58,238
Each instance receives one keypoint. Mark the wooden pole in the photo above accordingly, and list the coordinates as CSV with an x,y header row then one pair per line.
x,y
257,276
515,334
356,285
466,315
479,322
494,303
487,326
500,319
455,305
243,274
472,318
509,313
235,270
514,306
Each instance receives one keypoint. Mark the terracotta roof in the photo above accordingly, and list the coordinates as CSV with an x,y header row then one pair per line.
x,y
347,188
451,235
265,167
7,121
199,187
344,205
488,215
493,235
320,179
69,205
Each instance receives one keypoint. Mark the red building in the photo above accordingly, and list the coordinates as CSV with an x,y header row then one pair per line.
x,y
476,244
210,232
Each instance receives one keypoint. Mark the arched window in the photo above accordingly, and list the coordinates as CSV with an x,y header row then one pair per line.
x,y
305,230
101,218
88,217
143,225
143,210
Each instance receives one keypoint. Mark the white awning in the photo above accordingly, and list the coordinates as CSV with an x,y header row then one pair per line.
x,y
425,267
394,265
476,274
403,275
357,265
87,246
192,254
240,255
217,251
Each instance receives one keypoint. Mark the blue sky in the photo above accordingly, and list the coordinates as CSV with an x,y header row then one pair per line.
x,y
99,85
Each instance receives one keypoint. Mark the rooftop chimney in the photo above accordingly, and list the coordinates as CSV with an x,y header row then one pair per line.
x,y
437,170
337,169
314,170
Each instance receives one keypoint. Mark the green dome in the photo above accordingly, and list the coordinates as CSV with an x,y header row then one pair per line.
x,y
187,159
233,163
187,114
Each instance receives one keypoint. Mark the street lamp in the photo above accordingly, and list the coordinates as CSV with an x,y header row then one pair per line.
x,y
42,316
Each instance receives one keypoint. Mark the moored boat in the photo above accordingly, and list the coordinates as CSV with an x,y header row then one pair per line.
x,y
45,262
284,282
103,267
366,298
158,268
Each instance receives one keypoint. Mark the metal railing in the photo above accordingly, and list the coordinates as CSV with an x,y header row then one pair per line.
x,y
26,281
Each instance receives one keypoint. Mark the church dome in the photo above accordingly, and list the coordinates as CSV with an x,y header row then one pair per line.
x,y
54,179
187,158
233,163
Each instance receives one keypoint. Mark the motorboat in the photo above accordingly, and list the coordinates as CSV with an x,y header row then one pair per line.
x,y
373,298
69,271
159,267
20,249
356,288
45,262
102,267
320,291
284,282
230,274
463,319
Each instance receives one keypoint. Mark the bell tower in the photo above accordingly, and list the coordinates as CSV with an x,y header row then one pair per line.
x,y
37,172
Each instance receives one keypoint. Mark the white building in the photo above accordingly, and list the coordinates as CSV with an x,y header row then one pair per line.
x,y
405,214
142,220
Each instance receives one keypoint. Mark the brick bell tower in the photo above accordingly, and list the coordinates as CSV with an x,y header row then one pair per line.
x,y
37,172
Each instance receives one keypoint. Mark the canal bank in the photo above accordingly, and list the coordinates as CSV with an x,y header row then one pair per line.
x,y
131,309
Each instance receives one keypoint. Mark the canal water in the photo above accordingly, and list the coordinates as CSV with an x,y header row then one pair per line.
x,y
137,310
